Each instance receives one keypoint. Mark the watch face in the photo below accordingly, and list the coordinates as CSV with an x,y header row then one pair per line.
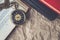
x,y
53,4
6,22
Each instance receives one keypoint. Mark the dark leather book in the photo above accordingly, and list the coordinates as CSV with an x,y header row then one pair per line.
x,y
42,8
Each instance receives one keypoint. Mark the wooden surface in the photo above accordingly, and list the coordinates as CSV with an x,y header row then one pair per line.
x,y
37,27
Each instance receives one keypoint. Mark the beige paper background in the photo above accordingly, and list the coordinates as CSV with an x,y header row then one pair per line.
x,y
37,27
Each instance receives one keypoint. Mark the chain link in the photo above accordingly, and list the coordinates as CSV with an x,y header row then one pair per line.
x,y
8,4
15,4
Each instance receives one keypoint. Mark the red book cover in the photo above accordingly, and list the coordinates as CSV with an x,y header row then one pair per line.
x,y
53,4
